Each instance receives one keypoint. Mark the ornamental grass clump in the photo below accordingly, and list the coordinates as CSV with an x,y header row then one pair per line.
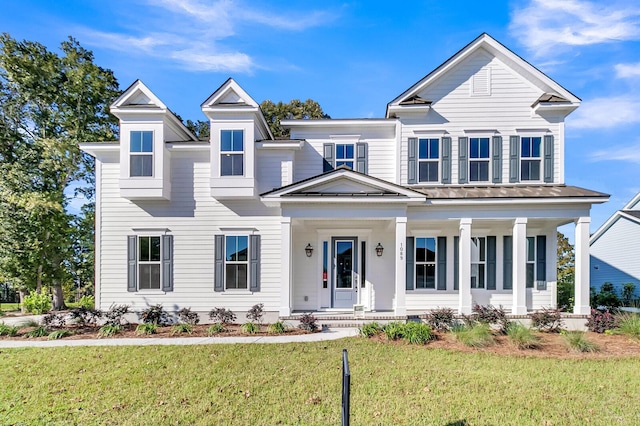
x,y
475,336
147,328
370,329
417,333
278,327
522,337
59,334
8,330
215,329
109,330
629,325
577,341
250,328
393,330
181,328
39,331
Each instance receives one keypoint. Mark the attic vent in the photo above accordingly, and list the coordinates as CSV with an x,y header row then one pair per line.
x,y
481,83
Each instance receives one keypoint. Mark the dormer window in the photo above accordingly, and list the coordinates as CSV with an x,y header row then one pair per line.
x,y
231,152
530,158
479,159
344,155
428,160
141,153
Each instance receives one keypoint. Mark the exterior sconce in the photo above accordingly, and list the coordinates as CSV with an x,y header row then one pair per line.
x,y
379,249
309,250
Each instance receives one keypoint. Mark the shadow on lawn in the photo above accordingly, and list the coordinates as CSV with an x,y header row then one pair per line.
x,y
458,423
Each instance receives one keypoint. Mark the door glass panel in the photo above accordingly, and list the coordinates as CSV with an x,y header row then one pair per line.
x,y
344,264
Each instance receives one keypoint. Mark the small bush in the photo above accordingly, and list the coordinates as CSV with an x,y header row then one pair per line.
x,y
187,316
308,322
250,328
54,320
256,313
492,316
109,330
476,336
629,325
215,329
548,319
39,331
601,321
393,330
277,328
37,303
607,297
222,315
87,302
115,315
440,319
8,330
182,328
577,341
155,315
59,334
628,292
147,328
370,329
417,333
84,315
522,337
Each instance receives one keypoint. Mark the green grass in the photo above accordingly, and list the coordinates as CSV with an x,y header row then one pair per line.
x,y
630,325
577,341
476,336
299,384
522,337
9,307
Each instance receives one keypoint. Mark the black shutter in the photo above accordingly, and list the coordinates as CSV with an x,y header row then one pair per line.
x,y
463,160
514,159
496,160
491,263
446,160
442,263
219,263
507,264
361,157
411,263
456,262
412,161
167,263
132,258
541,258
548,158
254,263
328,162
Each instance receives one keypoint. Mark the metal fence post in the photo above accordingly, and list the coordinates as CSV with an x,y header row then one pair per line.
x,y
346,388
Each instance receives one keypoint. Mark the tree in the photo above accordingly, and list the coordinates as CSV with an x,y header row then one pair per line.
x,y
273,113
49,103
566,272
199,128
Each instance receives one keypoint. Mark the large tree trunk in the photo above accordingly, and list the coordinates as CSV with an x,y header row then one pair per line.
x,y
39,279
22,294
58,298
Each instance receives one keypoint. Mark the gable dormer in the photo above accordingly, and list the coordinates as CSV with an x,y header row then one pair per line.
x,y
146,124
236,124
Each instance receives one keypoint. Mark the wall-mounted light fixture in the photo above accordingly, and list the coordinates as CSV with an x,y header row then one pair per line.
x,y
379,249
309,250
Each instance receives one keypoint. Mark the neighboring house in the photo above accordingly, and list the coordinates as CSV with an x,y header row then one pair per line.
x,y
450,200
615,249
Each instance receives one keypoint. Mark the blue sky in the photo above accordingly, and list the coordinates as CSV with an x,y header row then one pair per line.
x,y
355,56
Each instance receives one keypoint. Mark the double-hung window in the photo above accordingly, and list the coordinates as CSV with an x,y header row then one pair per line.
x,y
236,261
428,157
425,263
478,262
149,263
479,159
531,261
345,155
141,153
530,157
231,152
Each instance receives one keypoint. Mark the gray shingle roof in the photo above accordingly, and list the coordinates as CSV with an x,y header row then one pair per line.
x,y
529,191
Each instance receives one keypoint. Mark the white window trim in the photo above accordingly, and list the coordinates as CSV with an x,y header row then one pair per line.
x,y
149,262
247,262
345,160
243,153
540,158
138,154
428,160
470,160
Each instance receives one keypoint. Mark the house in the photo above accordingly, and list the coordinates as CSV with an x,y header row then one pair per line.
x,y
615,249
452,199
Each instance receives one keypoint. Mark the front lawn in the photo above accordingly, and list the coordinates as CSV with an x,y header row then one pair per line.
x,y
9,307
300,384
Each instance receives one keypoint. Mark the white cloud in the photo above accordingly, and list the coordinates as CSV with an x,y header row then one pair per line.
x,y
606,112
628,153
628,70
544,25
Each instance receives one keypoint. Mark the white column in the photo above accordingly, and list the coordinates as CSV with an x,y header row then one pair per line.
x,y
581,303
464,267
285,273
519,266
400,307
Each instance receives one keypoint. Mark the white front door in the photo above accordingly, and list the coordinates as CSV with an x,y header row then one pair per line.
x,y
345,277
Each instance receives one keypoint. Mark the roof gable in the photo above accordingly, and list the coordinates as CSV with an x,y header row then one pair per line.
x,y
229,94
630,211
138,95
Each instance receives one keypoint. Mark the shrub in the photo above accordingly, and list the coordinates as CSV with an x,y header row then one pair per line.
x,y
628,291
629,325
393,330
187,316
417,333
548,319
87,302
308,322
277,328
182,328
84,315
215,329
155,315
8,330
492,316
109,330
59,334
250,328
37,303
115,314
607,297
522,337
576,341
222,315
147,328
566,297
601,321
54,320
39,331
370,329
256,313
476,336
440,319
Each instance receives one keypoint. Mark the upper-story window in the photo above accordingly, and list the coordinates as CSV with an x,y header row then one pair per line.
x,y
428,157
344,155
231,152
530,157
141,153
479,159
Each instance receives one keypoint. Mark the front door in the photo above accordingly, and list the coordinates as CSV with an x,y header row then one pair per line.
x,y
344,277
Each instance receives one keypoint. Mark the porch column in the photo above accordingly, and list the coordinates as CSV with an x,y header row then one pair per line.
x,y
581,303
464,267
400,307
285,272
519,266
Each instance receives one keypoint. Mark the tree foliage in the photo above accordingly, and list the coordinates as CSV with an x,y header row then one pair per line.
x,y
295,109
49,102
566,272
